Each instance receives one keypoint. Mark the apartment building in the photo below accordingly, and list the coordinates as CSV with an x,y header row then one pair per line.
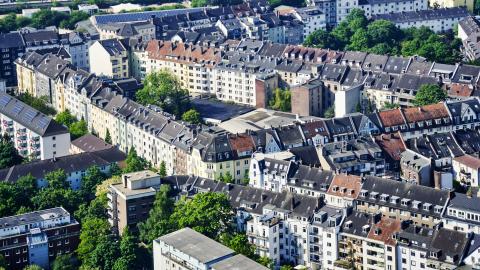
x,y
177,251
357,156
12,47
191,64
312,18
144,30
110,57
307,98
438,20
34,134
427,248
415,168
75,167
367,241
402,201
130,201
38,237
462,213
242,83
375,7
343,190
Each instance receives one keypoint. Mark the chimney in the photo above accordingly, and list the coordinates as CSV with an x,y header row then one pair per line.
x,y
124,180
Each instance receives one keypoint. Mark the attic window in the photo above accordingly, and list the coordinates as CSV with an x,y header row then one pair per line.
x,y
427,207
365,228
348,224
364,193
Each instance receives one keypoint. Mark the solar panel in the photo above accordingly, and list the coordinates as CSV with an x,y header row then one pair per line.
x,y
29,115
4,100
43,122
17,108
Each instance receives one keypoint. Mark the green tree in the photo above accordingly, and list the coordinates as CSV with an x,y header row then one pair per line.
x,y
286,267
93,230
63,262
128,252
8,153
322,39
281,100
383,31
115,169
265,261
57,179
105,254
164,90
134,163
33,267
239,243
39,103
65,118
330,112
73,19
158,222
192,116
389,106
46,17
97,208
78,129
163,169
429,94
108,137
93,177
227,178
207,213
3,262
51,197
359,41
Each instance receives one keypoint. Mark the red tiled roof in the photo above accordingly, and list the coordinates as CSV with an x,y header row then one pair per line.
x,y
469,161
241,142
428,112
342,181
391,118
392,144
313,128
183,53
460,90
384,229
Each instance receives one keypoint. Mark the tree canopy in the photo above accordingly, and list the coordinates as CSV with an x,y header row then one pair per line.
x,y
163,89
134,162
9,155
39,103
429,94
383,37
192,116
281,100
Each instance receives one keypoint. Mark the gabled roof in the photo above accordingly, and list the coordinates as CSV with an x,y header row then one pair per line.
x,y
391,118
427,112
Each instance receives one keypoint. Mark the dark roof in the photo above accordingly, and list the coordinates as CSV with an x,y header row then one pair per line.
x,y
452,244
90,143
29,117
357,223
404,190
71,163
307,155
218,110
112,46
40,36
140,16
11,40
423,15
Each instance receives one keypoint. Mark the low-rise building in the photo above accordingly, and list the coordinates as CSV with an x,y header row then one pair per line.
x,y
88,143
38,237
88,8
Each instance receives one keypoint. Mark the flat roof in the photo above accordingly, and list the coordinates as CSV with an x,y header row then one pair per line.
x,y
196,245
219,111
238,262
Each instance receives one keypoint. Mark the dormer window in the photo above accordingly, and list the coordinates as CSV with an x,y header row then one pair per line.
x,y
374,195
335,188
434,254
365,228
384,197
348,224
416,204
377,231
427,207
405,202
394,199
364,193
437,209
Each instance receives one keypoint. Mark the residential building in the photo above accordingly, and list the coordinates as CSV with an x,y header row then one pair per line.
x,y
466,170
88,8
438,20
187,249
110,57
312,18
139,30
12,47
38,237
88,143
453,3
307,98
462,213
75,167
130,201
358,156
427,248
34,134
343,190
402,201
